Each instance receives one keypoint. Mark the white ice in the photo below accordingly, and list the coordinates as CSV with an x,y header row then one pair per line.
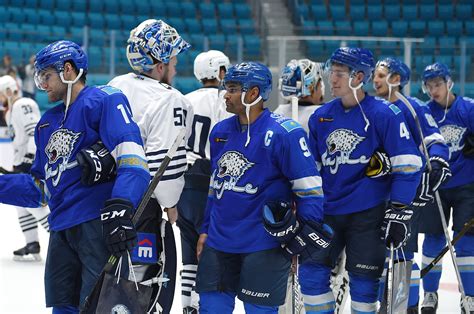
x,y
21,283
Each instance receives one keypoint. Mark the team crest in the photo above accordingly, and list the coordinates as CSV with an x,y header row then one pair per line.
x,y
453,135
231,167
340,145
59,150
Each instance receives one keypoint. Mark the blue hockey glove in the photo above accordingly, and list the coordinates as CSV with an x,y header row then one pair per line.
x,y
98,165
295,237
396,225
117,228
379,165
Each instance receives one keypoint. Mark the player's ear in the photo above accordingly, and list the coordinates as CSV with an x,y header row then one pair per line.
x,y
69,72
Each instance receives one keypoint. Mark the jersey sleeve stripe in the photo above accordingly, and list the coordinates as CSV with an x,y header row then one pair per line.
x,y
164,151
128,148
178,166
406,164
131,161
169,177
308,187
433,139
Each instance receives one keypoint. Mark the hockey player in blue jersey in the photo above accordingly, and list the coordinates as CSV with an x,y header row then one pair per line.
x,y
344,134
390,76
87,223
455,118
260,164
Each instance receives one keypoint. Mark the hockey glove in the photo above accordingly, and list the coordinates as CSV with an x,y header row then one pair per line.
x,y
296,238
468,149
117,228
423,194
396,225
98,165
379,165
440,173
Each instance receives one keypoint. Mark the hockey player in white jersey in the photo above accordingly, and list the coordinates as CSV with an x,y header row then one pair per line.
x,y
21,116
209,108
161,112
303,78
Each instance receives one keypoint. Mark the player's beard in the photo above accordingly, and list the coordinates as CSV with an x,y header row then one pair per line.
x,y
166,76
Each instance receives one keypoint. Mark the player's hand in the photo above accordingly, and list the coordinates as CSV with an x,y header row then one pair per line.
x,y
396,225
117,228
379,165
440,173
200,244
172,213
98,165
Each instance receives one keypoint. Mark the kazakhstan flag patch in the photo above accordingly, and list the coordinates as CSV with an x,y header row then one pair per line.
x,y
290,125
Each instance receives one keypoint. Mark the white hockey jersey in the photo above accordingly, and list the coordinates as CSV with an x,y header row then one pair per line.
x,y
209,108
304,112
21,120
161,112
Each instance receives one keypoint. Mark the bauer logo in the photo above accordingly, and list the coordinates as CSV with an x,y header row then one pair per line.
x,y
145,252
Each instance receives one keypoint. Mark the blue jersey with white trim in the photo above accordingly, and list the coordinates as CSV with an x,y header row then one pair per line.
x,y
343,148
458,124
433,139
276,165
101,113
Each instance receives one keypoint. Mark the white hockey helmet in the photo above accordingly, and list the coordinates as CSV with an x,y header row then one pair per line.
x,y
153,39
207,65
8,82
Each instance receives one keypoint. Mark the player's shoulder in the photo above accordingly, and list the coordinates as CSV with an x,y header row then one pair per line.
x,y
382,107
467,102
201,94
24,101
282,124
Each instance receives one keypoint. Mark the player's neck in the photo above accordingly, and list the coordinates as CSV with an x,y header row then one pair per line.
x,y
349,101
255,112
76,89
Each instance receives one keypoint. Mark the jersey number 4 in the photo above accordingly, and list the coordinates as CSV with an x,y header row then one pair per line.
x,y
404,131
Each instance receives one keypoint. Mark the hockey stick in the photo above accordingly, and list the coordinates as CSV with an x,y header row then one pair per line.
x,y
141,207
340,283
294,108
438,199
458,236
390,281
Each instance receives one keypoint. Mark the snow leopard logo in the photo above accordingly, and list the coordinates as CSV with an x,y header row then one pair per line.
x,y
59,149
60,145
120,309
343,141
233,164
453,135
231,167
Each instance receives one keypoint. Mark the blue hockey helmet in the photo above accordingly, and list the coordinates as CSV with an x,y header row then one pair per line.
x,y
153,40
395,66
56,54
435,70
357,59
251,74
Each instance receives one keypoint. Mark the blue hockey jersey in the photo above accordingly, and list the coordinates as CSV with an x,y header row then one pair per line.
x,y
458,124
97,114
434,142
276,165
343,148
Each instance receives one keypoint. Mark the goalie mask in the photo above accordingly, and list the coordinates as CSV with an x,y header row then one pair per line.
x,y
151,41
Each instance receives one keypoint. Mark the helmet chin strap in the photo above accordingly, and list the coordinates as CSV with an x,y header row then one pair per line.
x,y
390,86
69,87
354,92
450,86
247,113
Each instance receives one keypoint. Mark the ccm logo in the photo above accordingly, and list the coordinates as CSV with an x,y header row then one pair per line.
x,y
318,240
112,215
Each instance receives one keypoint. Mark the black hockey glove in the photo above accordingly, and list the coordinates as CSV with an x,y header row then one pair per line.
x,y
98,165
25,165
468,149
396,225
423,193
295,237
379,165
117,228
440,173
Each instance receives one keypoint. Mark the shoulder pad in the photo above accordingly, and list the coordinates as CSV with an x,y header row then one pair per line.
x,y
109,89
287,123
